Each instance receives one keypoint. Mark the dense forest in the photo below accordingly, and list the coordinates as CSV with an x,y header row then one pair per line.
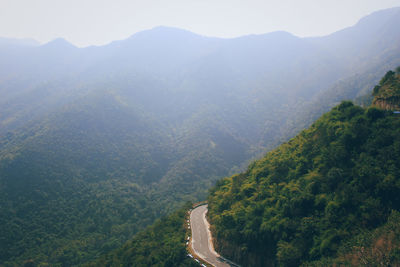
x,y
162,244
328,197
96,143
377,247
308,199
73,186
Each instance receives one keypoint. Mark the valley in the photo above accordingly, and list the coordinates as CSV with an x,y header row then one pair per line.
x,y
104,148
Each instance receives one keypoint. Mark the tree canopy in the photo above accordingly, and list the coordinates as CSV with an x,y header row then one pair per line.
x,y
305,199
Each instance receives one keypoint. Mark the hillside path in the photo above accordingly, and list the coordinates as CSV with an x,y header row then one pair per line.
x,y
201,238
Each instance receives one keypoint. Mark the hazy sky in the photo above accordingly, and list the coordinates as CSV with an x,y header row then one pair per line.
x,y
87,22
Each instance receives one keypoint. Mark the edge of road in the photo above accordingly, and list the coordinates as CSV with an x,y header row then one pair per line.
x,y
209,236
189,246
210,239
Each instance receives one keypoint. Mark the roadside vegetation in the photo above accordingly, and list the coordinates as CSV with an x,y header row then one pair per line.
x,y
308,199
162,244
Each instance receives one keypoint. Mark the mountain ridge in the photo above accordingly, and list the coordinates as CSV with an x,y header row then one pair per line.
x,y
334,186
142,129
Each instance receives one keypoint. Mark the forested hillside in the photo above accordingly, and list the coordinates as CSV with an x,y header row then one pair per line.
x,y
317,195
96,143
162,244
74,187
328,197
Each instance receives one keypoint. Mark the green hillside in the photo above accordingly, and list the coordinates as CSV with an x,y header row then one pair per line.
x,y
162,244
96,143
328,197
85,179
304,200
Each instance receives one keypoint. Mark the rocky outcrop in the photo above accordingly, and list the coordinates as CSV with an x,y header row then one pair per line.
x,y
387,92
391,103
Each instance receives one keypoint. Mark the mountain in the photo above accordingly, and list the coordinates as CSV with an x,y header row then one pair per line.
x,y
330,195
98,142
320,199
161,244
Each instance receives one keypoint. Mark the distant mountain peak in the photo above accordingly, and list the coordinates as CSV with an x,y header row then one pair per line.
x,y
168,28
162,32
59,43
280,35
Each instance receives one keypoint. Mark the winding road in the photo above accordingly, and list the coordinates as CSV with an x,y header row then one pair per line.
x,y
201,238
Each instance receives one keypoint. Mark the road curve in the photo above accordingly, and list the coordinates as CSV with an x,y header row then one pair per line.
x,y
201,238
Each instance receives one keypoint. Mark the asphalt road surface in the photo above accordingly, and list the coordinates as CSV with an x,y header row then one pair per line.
x,y
201,238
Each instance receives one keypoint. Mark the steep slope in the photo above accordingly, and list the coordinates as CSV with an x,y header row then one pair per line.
x,y
387,93
372,37
328,197
97,142
380,246
368,50
75,183
91,175
357,88
305,199
162,244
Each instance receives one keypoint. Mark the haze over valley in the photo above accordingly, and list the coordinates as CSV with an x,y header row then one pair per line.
x,y
97,143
